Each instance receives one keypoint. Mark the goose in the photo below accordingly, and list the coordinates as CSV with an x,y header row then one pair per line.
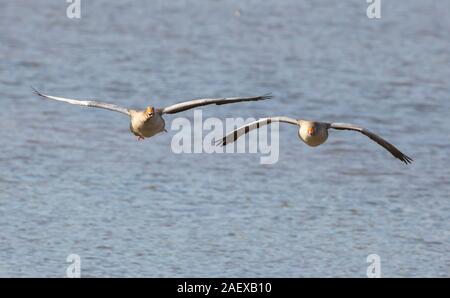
x,y
313,133
149,122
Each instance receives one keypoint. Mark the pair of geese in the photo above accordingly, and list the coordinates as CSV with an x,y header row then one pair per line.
x,y
149,122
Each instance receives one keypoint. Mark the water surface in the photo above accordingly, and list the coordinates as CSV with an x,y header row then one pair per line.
x,y
74,180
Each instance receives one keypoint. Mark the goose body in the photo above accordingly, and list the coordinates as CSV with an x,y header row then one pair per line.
x,y
145,126
312,139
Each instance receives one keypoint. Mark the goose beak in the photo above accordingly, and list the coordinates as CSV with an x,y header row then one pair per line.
x,y
311,130
150,111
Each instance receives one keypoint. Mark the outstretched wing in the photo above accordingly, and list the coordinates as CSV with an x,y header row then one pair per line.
x,y
388,146
86,103
183,106
234,135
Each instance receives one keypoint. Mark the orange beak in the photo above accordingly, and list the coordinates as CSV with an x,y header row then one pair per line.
x,y
150,111
310,130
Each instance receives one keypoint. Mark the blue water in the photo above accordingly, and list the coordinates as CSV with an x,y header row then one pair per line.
x,y
74,180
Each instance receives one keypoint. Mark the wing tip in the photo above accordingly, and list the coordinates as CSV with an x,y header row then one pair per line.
x,y
266,96
35,91
221,142
406,159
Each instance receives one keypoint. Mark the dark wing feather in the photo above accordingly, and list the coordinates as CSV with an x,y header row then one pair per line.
x,y
235,134
183,106
388,146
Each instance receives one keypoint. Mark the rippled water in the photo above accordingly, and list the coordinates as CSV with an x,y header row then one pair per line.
x,y
74,180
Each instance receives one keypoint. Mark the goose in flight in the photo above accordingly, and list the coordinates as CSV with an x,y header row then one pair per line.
x,y
147,123
313,133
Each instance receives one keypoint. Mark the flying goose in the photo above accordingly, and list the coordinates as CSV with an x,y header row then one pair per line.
x,y
313,133
146,123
